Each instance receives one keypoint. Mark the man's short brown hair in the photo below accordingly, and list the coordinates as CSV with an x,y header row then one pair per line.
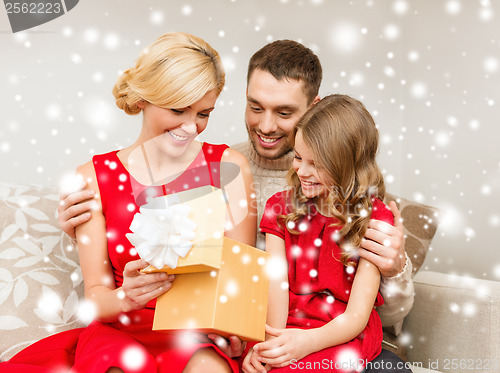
x,y
292,60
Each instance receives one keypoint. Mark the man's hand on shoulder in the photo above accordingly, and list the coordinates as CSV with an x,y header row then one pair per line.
x,y
383,244
74,209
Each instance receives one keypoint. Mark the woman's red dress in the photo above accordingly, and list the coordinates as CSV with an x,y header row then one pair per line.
x,y
129,343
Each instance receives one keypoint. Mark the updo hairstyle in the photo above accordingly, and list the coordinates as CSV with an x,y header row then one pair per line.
x,y
175,71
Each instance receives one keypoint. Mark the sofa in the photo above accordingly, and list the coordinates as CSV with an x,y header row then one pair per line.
x,y
453,325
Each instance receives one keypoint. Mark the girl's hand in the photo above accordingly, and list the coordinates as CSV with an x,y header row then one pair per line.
x,y
287,345
139,288
251,363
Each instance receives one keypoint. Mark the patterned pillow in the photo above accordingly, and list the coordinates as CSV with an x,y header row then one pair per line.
x,y
420,223
40,278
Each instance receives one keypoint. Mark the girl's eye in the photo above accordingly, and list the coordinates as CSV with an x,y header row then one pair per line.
x,y
177,111
297,157
203,115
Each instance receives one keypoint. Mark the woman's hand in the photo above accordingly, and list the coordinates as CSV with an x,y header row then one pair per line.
x,y
139,288
287,345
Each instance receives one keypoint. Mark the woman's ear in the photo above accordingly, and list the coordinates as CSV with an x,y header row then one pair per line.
x,y
141,104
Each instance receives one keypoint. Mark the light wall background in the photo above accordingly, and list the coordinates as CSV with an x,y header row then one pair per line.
x,y
428,70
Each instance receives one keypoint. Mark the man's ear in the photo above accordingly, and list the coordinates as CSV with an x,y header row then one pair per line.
x,y
316,100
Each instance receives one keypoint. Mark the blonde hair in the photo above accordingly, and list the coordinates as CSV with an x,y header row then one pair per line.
x,y
344,140
175,71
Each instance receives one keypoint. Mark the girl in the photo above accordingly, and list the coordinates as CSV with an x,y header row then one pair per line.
x,y
175,84
321,310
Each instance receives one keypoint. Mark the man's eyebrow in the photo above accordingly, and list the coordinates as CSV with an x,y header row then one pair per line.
x,y
277,108
286,107
253,100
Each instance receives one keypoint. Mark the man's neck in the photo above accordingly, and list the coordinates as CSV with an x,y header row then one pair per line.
x,y
283,163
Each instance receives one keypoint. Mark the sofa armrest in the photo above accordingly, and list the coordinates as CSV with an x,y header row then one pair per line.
x,y
454,323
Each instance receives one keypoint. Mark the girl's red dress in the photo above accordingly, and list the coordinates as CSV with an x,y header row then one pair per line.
x,y
319,285
129,343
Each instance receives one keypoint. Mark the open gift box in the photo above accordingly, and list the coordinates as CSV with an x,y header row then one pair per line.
x,y
203,210
228,301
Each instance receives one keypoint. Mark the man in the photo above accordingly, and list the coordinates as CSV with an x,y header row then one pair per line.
x,y
283,81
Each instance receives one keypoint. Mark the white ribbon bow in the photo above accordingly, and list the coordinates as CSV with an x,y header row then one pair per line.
x,y
162,234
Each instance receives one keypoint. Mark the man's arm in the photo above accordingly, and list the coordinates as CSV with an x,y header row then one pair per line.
x,y
383,245
398,293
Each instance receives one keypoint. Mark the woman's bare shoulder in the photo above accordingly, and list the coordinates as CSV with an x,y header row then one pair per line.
x,y
87,173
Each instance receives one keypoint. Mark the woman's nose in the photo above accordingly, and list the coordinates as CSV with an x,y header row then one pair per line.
x,y
189,128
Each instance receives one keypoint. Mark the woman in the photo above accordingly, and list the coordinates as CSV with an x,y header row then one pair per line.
x,y
175,84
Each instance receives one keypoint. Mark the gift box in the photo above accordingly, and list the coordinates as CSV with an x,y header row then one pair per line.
x,y
228,301
186,227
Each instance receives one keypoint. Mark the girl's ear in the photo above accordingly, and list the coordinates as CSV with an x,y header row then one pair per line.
x,y
141,104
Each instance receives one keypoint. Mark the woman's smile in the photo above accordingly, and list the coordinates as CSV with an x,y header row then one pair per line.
x,y
177,138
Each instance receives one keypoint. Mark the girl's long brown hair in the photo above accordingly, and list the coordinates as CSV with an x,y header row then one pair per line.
x,y
344,140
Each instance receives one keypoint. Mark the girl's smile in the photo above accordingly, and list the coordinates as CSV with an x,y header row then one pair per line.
x,y
311,177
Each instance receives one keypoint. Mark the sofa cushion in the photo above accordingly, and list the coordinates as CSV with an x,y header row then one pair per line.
x,y
454,325
40,278
420,223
